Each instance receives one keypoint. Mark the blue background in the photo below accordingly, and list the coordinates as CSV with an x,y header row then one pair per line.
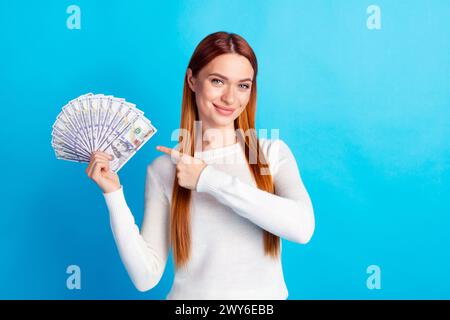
x,y
366,113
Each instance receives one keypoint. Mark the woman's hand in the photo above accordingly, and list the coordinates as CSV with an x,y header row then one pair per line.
x,y
188,168
98,170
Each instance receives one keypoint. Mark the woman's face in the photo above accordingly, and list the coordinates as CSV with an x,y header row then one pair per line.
x,y
222,89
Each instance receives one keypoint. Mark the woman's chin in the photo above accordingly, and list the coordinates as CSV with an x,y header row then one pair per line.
x,y
222,121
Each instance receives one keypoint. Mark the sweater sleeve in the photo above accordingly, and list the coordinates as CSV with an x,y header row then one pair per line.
x,y
288,213
144,253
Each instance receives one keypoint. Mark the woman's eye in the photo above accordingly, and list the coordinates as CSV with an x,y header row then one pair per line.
x,y
245,86
215,81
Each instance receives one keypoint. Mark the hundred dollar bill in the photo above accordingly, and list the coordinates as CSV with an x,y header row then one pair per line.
x,y
64,144
129,141
123,113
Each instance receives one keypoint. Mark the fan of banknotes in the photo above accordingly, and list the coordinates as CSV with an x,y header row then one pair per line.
x,y
96,122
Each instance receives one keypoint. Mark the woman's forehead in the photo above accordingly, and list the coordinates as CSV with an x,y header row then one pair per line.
x,y
231,66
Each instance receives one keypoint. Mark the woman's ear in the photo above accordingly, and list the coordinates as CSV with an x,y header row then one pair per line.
x,y
190,79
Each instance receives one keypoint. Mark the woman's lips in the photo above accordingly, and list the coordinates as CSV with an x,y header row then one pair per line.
x,y
223,111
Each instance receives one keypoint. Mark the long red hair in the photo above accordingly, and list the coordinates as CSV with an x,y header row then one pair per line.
x,y
210,47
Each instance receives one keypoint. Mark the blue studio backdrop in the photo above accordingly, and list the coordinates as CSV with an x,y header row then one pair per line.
x,y
359,90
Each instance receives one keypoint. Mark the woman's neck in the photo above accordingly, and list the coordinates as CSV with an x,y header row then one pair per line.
x,y
214,138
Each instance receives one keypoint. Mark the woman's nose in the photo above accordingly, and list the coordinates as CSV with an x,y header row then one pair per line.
x,y
228,96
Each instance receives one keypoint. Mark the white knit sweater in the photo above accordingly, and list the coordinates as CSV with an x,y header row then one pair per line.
x,y
228,214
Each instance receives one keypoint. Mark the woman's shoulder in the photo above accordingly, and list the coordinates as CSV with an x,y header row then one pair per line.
x,y
276,151
272,147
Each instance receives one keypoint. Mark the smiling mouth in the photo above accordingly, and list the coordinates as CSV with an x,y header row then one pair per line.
x,y
223,109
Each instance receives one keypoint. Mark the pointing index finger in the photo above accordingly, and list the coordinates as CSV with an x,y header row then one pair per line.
x,y
171,152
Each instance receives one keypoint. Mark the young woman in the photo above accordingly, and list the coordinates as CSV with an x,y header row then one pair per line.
x,y
223,199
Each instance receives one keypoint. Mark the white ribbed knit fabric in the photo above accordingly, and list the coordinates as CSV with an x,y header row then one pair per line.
x,y
228,215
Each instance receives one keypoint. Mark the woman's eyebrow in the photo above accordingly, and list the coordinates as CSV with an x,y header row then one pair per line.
x,y
223,77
